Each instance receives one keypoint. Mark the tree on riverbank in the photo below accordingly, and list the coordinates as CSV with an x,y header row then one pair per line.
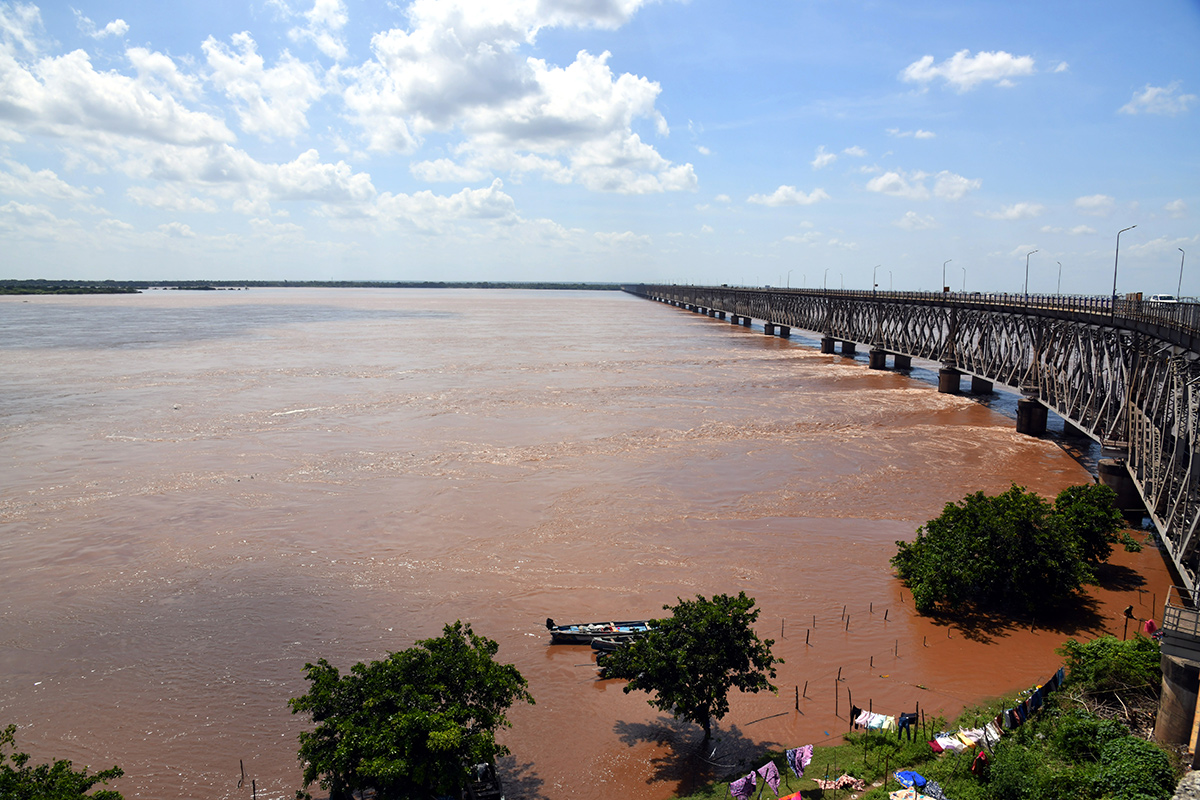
x,y
412,725
1014,552
690,660
20,780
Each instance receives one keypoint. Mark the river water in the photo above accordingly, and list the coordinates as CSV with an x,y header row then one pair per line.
x,y
201,491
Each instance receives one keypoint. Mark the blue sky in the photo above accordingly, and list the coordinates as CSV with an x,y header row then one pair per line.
x,y
797,143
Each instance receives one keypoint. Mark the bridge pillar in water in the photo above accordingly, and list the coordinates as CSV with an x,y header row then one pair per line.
x,y
980,386
877,358
1177,703
720,315
784,332
848,348
1031,417
949,380
768,329
734,319
1113,473
902,362
826,344
746,322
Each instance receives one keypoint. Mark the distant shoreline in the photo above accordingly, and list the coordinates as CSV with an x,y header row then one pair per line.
x,y
44,286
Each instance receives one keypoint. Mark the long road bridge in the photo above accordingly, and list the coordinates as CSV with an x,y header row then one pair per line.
x,y
1121,371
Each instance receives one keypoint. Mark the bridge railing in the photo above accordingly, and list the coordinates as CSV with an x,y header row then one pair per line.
x,y
1182,317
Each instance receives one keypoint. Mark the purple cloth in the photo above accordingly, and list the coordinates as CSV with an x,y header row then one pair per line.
x,y
770,774
799,758
742,788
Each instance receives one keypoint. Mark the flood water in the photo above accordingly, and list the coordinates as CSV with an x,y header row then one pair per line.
x,y
201,491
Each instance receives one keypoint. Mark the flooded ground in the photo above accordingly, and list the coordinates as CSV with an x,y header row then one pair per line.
x,y
203,491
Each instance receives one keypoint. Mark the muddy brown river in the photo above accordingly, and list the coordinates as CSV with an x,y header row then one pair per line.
x,y
201,491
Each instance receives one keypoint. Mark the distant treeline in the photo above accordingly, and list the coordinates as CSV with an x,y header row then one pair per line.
x,y
43,286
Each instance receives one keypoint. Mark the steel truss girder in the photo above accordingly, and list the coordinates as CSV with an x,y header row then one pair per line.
x,y
1127,389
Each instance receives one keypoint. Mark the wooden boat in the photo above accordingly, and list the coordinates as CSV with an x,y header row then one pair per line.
x,y
585,632
606,644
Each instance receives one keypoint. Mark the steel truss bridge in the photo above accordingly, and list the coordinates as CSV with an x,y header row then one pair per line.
x,y
1124,372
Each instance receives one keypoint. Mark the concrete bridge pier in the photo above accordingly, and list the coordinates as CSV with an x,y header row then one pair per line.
x,y
1177,705
949,380
784,331
826,344
769,329
877,358
1114,474
902,362
980,386
1031,417
848,348
734,319
746,322
720,315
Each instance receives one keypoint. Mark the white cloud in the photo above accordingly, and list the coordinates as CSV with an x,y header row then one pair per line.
x,y
323,24
1062,67
459,66
1159,100
912,221
177,230
810,237
159,73
624,239
1098,205
950,186
1078,230
722,198
1177,209
899,184
823,159
431,213
20,24
964,71
917,134
443,170
66,97
118,27
855,151
270,102
702,150
22,181
788,196
1015,211
169,197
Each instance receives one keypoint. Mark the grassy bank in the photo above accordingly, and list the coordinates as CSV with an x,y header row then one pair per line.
x,y
1086,743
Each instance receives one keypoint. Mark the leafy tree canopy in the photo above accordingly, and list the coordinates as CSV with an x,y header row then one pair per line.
x,y
412,724
690,660
1012,552
19,780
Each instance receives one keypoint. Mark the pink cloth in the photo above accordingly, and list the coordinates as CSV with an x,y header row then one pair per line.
x,y
1150,627
742,788
770,774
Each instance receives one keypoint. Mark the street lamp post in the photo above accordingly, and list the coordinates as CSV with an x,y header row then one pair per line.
x,y
889,280
875,285
789,281
1179,288
825,281
1027,255
1116,259
1059,289
945,288
964,269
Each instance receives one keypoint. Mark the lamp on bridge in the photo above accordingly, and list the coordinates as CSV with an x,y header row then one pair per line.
x,y
945,288
1116,258
1027,255
875,285
1179,288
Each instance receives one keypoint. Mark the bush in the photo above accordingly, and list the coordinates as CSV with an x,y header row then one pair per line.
x,y
1134,769
1107,664
1011,553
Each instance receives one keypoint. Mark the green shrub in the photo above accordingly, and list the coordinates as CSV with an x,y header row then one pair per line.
x,y
1134,769
1106,664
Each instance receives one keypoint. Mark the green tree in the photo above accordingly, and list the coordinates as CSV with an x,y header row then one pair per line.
x,y
412,724
690,660
19,780
1011,552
